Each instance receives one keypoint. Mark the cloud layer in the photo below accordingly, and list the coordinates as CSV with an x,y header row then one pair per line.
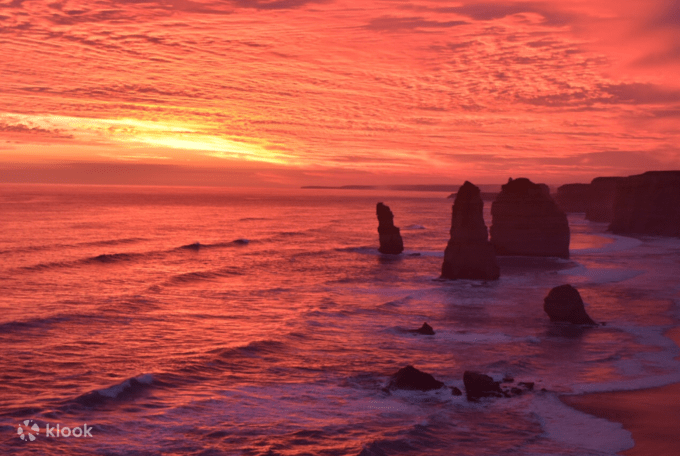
x,y
478,90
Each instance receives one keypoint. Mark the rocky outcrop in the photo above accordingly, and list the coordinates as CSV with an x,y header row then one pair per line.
x,y
648,203
573,197
527,221
478,385
410,378
564,304
601,195
469,254
390,237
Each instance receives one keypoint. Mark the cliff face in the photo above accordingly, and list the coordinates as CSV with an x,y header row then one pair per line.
x,y
469,254
389,235
600,206
573,197
648,203
527,221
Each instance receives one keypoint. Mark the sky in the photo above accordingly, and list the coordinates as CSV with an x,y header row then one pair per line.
x,y
337,92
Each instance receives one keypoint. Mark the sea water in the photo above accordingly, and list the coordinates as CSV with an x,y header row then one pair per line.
x,y
194,321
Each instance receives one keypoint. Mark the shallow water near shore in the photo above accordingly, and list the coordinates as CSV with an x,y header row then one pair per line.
x,y
197,321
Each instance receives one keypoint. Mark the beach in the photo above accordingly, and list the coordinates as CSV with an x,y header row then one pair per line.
x,y
651,415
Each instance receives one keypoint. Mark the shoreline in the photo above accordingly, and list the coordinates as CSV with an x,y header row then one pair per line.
x,y
651,415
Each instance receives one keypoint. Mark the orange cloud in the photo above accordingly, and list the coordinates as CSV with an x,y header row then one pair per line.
x,y
426,89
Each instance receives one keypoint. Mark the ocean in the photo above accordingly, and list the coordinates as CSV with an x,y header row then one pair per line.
x,y
209,321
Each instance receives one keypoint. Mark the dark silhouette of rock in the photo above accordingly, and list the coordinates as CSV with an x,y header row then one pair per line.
x,y
527,221
469,254
479,385
390,238
648,203
456,391
601,195
425,330
410,378
573,197
564,303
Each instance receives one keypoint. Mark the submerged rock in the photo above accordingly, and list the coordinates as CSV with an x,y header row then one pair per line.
x,y
425,330
469,254
648,203
564,304
390,237
527,221
410,378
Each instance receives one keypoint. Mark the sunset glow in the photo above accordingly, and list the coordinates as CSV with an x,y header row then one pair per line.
x,y
424,91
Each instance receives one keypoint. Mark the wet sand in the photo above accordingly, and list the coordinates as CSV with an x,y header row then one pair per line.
x,y
651,415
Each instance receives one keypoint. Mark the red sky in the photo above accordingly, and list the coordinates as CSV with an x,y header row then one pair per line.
x,y
297,92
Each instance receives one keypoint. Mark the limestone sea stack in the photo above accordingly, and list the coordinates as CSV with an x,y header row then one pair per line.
x,y
600,206
564,304
648,203
390,237
573,197
527,221
469,254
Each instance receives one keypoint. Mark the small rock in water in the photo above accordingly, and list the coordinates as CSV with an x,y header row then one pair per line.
x,y
425,330
410,378
564,303
479,385
456,392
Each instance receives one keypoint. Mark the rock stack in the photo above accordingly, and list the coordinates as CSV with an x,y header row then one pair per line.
x,y
527,221
573,197
601,195
469,254
648,203
390,237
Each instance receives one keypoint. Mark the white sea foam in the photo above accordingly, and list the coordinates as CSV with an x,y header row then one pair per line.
x,y
584,275
115,390
620,243
564,424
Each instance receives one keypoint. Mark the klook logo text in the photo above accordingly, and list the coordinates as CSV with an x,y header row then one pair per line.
x,y
30,430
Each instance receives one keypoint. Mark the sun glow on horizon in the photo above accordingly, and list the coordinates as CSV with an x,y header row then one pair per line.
x,y
133,133
474,89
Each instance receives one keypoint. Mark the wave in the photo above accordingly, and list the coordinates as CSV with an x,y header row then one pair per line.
x,y
36,248
199,246
415,227
125,390
113,257
113,242
33,323
195,276
291,233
